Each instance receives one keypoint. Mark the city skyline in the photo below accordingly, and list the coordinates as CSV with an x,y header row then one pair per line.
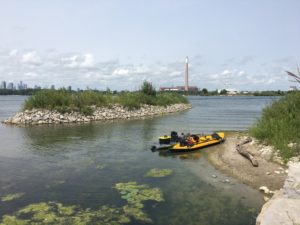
x,y
239,44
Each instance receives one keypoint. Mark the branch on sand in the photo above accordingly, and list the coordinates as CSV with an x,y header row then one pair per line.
x,y
240,148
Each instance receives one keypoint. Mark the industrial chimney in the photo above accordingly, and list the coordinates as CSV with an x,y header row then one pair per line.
x,y
186,88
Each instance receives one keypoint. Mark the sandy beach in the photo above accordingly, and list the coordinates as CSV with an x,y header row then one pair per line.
x,y
225,157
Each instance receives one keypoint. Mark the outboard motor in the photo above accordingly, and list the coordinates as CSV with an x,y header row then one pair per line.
x,y
174,136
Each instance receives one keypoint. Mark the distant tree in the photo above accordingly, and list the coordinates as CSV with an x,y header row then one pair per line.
x,y
148,89
204,91
223,92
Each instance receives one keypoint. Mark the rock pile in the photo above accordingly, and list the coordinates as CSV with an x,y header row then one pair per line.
x,y
284,207
44,116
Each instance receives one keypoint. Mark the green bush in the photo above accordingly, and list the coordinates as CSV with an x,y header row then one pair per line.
x,y
148,89
280,125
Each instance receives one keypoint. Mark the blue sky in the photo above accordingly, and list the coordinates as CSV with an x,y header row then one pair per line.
x,y
243,44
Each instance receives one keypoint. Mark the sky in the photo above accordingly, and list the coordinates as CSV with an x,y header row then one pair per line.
x,y
117,44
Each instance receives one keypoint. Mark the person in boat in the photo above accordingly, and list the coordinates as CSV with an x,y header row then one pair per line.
x,y
183,139
190,141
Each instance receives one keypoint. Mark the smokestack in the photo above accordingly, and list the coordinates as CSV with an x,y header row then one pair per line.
x,y
186,88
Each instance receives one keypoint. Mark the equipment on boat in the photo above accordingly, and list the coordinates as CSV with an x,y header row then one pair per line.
x,y
194,142
166,141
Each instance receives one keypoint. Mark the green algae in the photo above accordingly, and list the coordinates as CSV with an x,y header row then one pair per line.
x,y
58,214
55,183
12,220
159,172
11,197
100,166
55,213
136,213
135,194
104,216
89,162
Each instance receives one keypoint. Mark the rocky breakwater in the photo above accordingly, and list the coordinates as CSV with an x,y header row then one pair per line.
x,y
284,207
43,116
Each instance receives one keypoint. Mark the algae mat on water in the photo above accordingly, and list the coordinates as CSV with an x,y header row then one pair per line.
x,y
159,172
58,214
135,194
11,197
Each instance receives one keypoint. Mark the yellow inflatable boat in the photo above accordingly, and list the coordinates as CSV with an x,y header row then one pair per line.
x,y
195,142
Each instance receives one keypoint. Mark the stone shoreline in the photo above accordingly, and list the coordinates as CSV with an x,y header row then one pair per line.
x,y
44,116
284,207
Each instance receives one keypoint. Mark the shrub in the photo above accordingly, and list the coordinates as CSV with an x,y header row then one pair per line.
x,y
280,125
148,89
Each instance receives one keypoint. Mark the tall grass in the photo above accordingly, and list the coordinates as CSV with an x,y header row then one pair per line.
x,y
67,101
165,98
280,125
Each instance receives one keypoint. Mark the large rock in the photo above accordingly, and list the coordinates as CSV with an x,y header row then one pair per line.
x,y
284,207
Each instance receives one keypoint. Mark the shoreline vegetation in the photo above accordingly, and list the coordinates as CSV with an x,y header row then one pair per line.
x,y
279,126
66,106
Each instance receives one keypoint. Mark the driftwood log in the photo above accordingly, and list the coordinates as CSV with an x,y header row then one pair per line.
x,y
240,148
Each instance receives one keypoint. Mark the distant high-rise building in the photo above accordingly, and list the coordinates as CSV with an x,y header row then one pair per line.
x,y
10,86
70,88
186,74
3,85
52,87
20,85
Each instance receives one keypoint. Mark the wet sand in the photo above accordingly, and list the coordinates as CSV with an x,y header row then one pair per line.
x,y
225,158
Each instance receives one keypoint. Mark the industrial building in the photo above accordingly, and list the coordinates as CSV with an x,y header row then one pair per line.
x,y
186,86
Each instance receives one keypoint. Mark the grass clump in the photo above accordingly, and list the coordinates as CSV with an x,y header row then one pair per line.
x,y
280,125
65,101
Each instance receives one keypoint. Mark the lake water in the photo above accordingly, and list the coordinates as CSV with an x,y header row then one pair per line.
x,y
80,164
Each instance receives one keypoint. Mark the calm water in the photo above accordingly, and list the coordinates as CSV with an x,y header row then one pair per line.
x,y
80,164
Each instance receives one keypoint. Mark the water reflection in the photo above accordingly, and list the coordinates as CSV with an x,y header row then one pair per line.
x,y
195,155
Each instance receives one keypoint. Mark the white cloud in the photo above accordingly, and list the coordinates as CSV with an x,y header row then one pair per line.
x,y
30,75
121,71
176,74
13,52
226,72
88,60
30,58
242,72
79,61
